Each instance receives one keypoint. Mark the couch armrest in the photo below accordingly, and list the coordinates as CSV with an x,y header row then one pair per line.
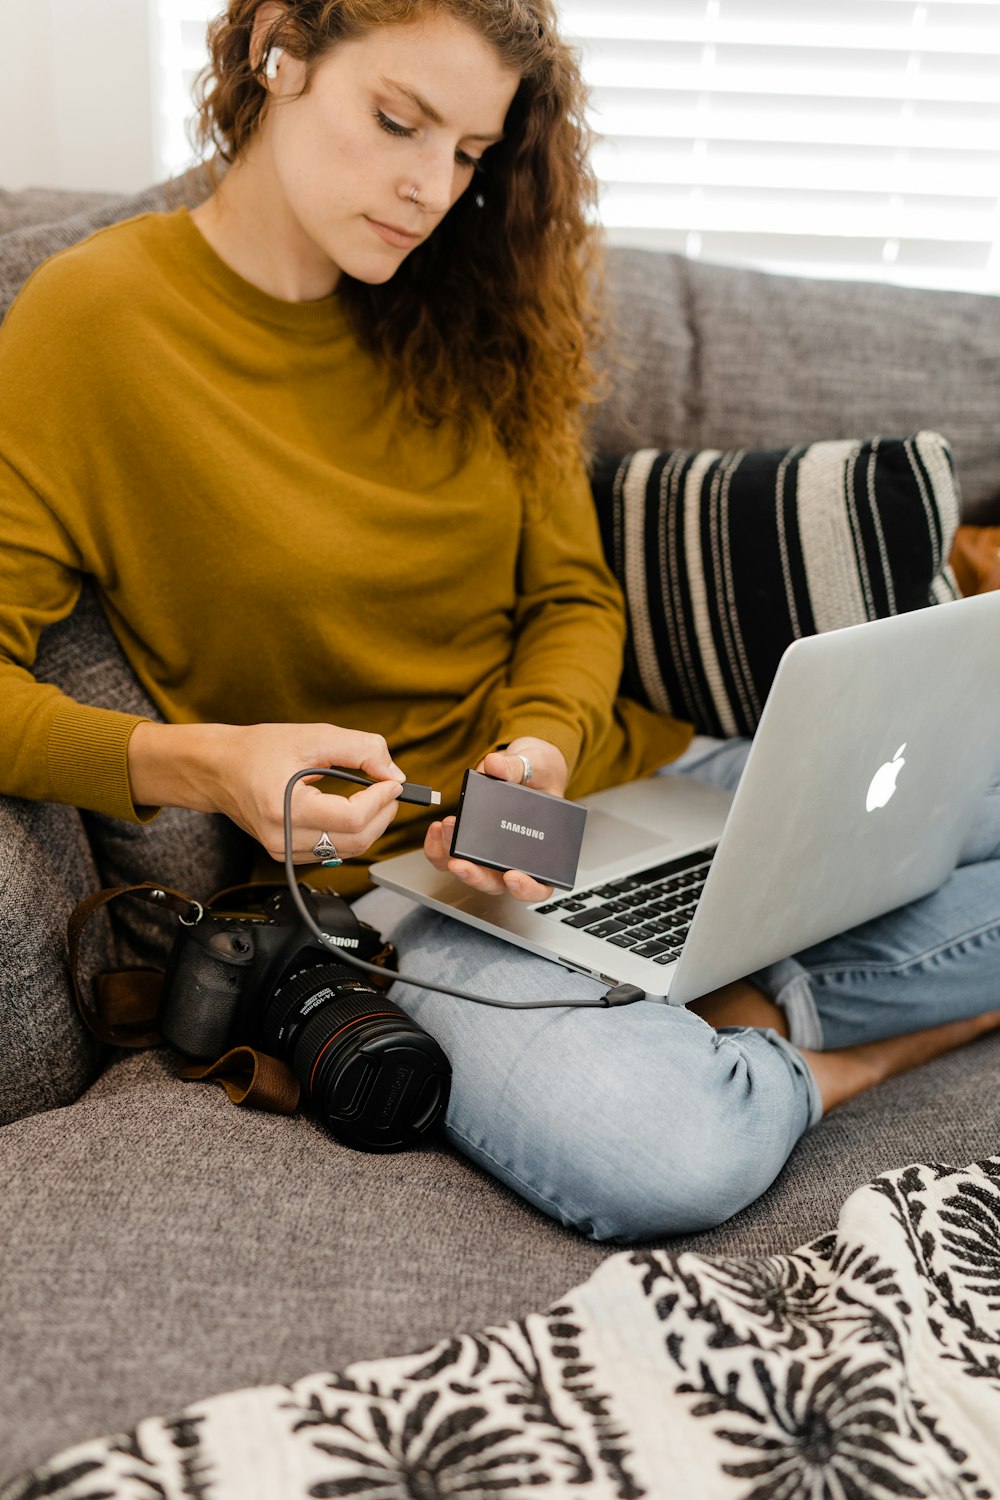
x,y
52,856
47,1058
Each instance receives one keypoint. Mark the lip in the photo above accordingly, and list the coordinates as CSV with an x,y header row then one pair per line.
x,y
401,239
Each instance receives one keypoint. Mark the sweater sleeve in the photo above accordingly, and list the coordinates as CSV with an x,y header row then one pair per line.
x,y
567,661
52,748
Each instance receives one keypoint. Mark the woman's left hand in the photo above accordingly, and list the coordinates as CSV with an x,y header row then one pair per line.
x,y
549,773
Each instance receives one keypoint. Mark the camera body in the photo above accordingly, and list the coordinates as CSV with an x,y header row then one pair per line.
x,y
223,967
259,977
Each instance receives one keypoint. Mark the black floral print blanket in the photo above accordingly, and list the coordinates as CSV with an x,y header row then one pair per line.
x,y
865,1366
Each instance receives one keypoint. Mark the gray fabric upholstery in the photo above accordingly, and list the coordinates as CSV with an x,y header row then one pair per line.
x,y
712,356
47,1058
37,223
34,206
161,1245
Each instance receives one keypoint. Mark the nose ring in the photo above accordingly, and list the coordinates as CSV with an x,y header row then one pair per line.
x,y
414,195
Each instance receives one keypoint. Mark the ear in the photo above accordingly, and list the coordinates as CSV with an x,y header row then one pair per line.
x,y
264,20
290,80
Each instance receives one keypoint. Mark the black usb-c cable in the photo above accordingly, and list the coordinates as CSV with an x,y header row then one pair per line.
x,y
620,994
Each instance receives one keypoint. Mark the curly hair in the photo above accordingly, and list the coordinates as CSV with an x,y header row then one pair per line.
x,y
493,317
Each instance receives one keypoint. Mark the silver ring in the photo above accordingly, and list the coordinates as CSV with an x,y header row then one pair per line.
x,y
324,851
526,763
414,195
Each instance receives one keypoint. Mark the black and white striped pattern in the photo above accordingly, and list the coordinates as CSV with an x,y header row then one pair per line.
x,y
725,558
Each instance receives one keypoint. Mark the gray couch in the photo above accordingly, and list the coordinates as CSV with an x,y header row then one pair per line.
x,y
157,1244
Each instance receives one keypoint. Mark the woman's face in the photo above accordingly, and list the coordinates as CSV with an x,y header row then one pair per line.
x,y
397,109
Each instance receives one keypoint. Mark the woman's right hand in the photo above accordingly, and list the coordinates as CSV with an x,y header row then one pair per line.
x,y
242,771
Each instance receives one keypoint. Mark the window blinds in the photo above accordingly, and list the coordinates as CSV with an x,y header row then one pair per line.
x,y
826,137
833,137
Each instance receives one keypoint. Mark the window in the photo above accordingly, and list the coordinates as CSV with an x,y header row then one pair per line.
x,y
180,27
838,137
829,137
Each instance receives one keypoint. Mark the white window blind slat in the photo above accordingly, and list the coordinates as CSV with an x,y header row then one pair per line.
x,y
870,28
764,164
661,69
826,214
954,127
827,137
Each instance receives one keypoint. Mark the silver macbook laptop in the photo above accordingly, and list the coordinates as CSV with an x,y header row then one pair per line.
x,y
866,771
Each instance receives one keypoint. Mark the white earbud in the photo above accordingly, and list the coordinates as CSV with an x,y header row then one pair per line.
x,y
271,65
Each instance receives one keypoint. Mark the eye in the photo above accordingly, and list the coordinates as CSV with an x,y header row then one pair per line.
x,y
465,160
391,126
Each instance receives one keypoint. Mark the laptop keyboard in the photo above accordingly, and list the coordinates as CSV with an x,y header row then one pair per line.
x,y
649,912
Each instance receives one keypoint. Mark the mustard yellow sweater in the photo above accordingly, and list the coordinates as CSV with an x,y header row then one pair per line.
x,y
273,541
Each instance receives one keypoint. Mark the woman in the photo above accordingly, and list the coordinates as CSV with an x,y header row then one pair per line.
x,y
352,491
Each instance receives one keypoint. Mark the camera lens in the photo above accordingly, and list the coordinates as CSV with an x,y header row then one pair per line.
x,y
374,1077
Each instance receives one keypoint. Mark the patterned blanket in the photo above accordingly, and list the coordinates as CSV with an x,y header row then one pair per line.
x,y
865,1366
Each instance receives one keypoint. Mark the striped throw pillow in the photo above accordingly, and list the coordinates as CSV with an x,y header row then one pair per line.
x,y
725,558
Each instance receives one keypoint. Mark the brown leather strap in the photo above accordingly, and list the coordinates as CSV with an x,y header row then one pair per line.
x,y
251,1078
125,1004
128,998
249,893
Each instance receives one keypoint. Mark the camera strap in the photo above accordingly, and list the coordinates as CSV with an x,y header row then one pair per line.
x,y
252,1078
125,1004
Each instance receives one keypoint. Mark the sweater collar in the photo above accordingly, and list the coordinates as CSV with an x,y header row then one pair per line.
x,y
319,319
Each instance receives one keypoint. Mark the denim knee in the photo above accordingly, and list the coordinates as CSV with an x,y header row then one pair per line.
x,y
625,1123
681,1149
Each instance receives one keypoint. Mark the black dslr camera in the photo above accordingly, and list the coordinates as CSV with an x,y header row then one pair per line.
x,y
260,977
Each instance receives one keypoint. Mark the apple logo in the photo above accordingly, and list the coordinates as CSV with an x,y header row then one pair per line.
x,y
883,783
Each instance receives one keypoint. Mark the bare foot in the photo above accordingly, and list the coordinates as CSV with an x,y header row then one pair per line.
x,y
848,1071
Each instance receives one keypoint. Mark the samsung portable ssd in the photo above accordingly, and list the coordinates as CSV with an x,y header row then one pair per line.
x,y
509,827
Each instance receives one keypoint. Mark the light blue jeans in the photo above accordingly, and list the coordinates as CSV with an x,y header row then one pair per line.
x,y
644,1121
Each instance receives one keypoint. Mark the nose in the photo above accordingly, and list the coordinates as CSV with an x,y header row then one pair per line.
x,y
439,182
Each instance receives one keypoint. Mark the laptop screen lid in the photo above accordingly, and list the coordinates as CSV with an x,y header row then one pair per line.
x,y
866,772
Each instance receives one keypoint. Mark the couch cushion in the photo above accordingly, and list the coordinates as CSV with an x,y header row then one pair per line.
x,y
33,206
161,1245
725,559
707,356
52,856
47,1058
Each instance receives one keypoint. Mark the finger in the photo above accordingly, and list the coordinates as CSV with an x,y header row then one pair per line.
x,y
498,883
352,817
437,843
375,760
477,877
352,823
374,801
524,888
503,767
